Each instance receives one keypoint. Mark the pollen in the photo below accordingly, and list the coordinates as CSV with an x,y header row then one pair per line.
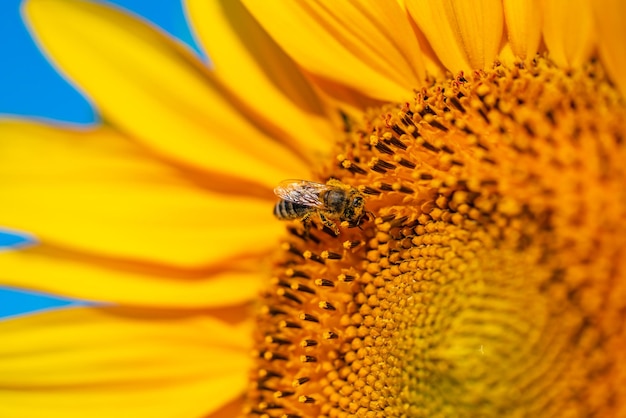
x,y
489,279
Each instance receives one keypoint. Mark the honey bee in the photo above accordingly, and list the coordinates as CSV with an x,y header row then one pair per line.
x,y
333,201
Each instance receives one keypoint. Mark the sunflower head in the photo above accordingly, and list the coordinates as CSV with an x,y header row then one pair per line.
x,y
481,286
457,248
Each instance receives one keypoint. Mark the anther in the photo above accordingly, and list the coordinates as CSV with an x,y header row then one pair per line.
x,y
327,306
329,255
370,191
351,244
303,236
427,110
289,324
378,169
457,104
482,113
283,283
324,282
282,394
272,311
308,317
275,340
384,148
398,130
529,129
402,188
308,359
288,295
345,278
385,164
302,288
306,399
262,387
438,125
296,273
447,149
307,236
300,381
308,343
481,145
309,255
387,218
265,374
430,146
269,356
352,167
399,221
396,142
406,163
467,130
406,121
293,250
264,405
330,335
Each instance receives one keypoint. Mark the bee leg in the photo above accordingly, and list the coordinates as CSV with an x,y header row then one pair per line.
x,y
306,225
328,223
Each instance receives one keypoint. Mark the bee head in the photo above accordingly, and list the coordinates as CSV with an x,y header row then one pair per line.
x,y
355,208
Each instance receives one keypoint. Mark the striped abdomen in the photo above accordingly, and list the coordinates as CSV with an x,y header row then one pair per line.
x,y
286,210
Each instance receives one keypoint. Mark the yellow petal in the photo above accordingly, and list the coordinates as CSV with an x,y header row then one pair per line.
x,y
99,193
432,20
568,31
368,46
465,35
523,23
609,17
113,280
351,102
157,91
122,363
261,75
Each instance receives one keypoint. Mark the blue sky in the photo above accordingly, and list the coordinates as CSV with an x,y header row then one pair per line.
x,y
29,87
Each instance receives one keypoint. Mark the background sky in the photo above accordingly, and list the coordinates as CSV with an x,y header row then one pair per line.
x,y
29,87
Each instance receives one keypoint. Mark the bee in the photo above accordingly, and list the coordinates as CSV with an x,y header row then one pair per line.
x,y
333,201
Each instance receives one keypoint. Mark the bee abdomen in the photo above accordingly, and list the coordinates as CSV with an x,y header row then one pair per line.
x,y
286,210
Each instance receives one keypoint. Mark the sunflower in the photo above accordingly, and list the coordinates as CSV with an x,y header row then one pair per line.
x,y
486,279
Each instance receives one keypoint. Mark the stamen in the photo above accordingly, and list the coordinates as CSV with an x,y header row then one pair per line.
x,y
327,305
306,399
345,278
308,343
296,273
308,255
351,244
329,255
302,288
288,295
308,317
324,282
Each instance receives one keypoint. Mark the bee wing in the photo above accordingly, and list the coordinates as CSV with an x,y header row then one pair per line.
x,y
302,192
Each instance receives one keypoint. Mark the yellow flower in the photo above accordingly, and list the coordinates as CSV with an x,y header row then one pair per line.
x,y
488,281
163,213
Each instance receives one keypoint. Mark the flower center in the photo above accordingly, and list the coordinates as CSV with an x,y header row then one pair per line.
x,y
492,279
